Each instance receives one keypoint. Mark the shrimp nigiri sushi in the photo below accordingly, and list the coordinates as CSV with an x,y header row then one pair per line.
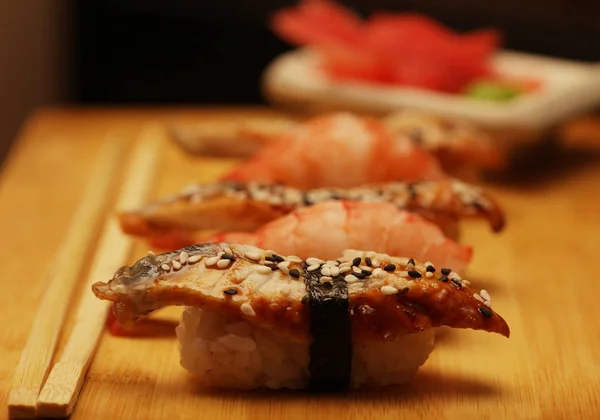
x,y
256,319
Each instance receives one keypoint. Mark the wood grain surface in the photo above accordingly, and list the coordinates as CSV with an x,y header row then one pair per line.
x,y
541,273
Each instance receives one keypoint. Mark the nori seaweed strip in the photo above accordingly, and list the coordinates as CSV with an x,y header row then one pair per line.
x,y
331,346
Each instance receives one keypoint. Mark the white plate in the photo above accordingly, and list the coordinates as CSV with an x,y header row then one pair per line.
x,y
568,88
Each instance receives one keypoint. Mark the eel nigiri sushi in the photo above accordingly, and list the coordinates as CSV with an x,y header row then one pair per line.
x,y
228,206
257,319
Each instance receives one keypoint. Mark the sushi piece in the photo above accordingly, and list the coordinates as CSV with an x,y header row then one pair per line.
x,y
327,229
255,319
338,150
227,206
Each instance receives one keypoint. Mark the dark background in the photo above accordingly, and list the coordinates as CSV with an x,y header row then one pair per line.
x,y
196,51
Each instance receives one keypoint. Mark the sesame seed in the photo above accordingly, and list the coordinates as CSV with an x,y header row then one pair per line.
x,y
278,258
446,271
388,290
455,276
230,291
457,283
486,312
444,278
334,271
223,263
360,275
270,258
430,268
228,257
176,265
183,257
284,266
294,273
269,252
247,309
365,269
313,261
263,269
313,267
375,262
356,269
332,262
484,294
346,264
368,261
479,298
389,267
466,282
379,273
304,299
488,303
294,259
411,262
403,291
325,279
151,254
428,274
273,267
251,255
356,261
194,259
325,271
350,278
227,250
414,274
211,261
345,269
166,267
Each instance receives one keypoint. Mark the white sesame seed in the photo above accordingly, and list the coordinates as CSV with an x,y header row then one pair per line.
x,y
479,298
211,261
356,270
228,250
379,273
375,263
345,269
335,271
488,303
454,276
183,257
332,262
402,273
294,259
346,264
176,265
325,279
151,254
269,252
313,267
484,294
284,266
220,253
313,261
350,278
251,255
194,259
365,268
428,274
388,290
223,263
166,267
466,282
247,309
263,269
325,271
428,263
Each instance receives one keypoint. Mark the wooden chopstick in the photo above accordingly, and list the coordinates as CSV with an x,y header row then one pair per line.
x,y
60,392
61,280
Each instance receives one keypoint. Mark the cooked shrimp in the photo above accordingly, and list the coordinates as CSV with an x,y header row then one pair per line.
x,y
327,229
339,150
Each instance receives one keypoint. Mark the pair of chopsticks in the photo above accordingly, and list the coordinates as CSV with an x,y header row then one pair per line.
x,y
42,390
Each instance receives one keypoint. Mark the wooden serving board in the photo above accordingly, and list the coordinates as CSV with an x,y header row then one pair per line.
x,y
541,273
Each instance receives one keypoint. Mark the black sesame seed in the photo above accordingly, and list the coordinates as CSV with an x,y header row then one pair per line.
x,y
368,261
402,291
270,258
294,273
444,278
273,267
389,267
230,291
228,257
304,299
446,271
360,275
278,258
430,269
457,283
486,312
414,274
356,261
366,272
411,261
